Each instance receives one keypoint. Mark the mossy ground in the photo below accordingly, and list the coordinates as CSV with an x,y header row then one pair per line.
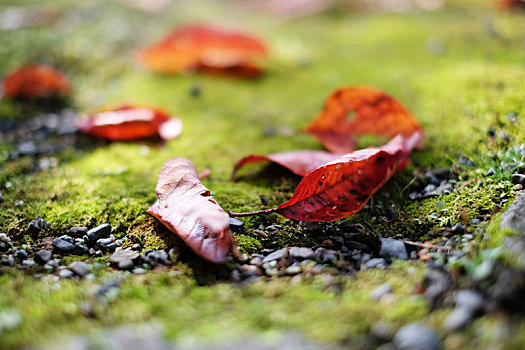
x,y
460,70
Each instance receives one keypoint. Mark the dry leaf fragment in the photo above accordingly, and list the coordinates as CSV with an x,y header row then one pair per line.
x,y
205,48
186,207
360,111
35,81
130,123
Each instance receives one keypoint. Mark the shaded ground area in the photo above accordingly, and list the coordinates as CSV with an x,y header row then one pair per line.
x,y
459,70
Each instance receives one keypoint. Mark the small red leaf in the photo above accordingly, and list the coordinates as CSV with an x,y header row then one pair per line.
x,y
130,123
205,48
359,111
299,162
34,81
186,207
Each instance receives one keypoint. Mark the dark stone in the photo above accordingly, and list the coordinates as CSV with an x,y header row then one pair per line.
x,y
81,249
195,91
458,229
518,179
277,255
99,232
67,238
28,263
417,336
79,268
106,287
9,261
264,200
78,231
123,254
437,283
301,253
43,256
5,238
159,257
490,172
62,246
105,242
475,221
393,248
37,225
375,263
274,228
112,246
431,178
329,257
3,247
236,223
21,254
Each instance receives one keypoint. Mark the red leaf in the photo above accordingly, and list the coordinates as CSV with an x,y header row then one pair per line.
x,y
186,207
359,111
510,4
299,162
342,187
34,81
130,123
205,48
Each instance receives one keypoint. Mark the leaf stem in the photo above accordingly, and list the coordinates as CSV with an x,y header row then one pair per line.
x,y
264,211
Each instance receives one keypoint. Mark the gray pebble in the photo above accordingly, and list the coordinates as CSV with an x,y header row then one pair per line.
x,y
43,256
469,299
80,268
105,242
378,292
292,270
21,254
375,263
125,264
458,319
120,255
417,336
99,232
277,255
4,238
458,229
81,249
67,238
28,263
393,248
139,271
249,268
256,261
301,253
236,223
9,261
66,274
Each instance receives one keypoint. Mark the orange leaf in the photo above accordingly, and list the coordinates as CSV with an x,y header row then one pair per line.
x,y
130,123
186,207
359,111
206,48
34,81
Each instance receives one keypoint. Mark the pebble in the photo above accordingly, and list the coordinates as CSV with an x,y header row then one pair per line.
x,y
63,246
9,261
375,263
458,319
301,253
43,256
393,248
378,292
257,261
155,257
277,255
21,254
236,223
417,336
125,264
274,228
66,274
4,238
81,249
67,238
469,299
139,271
37,225
292,270
518,179
123,255
80,268
99,232
458,229
28,263
78,231
105,242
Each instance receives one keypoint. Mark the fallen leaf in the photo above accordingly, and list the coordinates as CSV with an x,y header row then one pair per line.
x,y
360,111
342,186
205,48
35,81
510,4
186,207
130,123
299,162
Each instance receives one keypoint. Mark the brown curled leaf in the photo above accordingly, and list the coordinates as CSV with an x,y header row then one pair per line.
x,y
186,207
359,111
299,162
131,123
35,81
343,186
205,48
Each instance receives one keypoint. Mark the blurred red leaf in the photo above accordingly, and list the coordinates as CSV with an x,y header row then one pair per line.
x,y
510,4
34,81
205,48
130,123
299,162
186,207
359,111
342,186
